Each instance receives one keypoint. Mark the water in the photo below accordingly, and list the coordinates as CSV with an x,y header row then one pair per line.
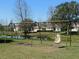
x,y
15,37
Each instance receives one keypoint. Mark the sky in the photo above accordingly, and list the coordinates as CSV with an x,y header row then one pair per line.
x,y
38,9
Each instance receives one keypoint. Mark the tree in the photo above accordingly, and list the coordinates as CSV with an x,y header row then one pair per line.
x,y
66,11
26,26
1,27
22,14
11,26
21,10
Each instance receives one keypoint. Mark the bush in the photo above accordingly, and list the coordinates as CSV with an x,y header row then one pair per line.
x,y
45,31
45,37
5,40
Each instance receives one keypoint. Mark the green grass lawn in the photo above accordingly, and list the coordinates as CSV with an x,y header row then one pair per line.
x,y
37,51
20,49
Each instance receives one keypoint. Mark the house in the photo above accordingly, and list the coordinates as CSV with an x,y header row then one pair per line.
x,y
57,27
43,26
47,26
75,27
17,27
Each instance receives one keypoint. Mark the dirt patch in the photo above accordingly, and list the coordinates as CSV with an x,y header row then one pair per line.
x,y
25,44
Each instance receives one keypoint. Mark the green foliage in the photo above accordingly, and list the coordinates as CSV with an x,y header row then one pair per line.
x,y
6,40
11,26
1,27
66,11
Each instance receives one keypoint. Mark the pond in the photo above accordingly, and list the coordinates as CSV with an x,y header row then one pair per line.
x,y
15,37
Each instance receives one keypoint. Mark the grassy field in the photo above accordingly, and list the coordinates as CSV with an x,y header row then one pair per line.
x,y
46,50
33,49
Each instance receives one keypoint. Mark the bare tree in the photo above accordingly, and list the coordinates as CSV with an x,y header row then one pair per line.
x,y
21,10
22,14
50,12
